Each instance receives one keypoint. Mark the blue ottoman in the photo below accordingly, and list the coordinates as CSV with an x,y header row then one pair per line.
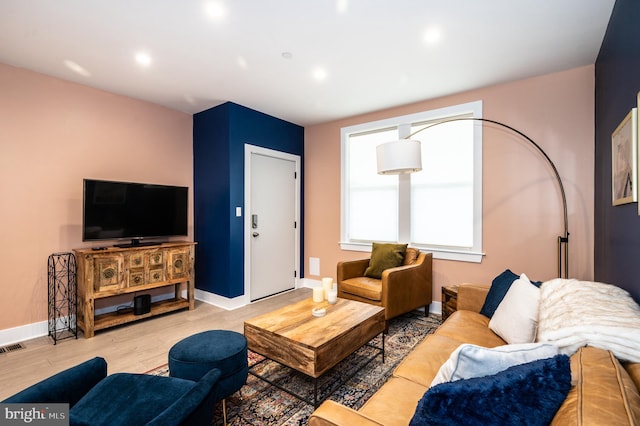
x,y
193,357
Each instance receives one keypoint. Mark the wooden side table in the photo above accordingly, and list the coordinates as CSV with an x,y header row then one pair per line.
x,y
449,300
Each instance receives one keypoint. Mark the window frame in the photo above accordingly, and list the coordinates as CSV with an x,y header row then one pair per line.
x,y
403,124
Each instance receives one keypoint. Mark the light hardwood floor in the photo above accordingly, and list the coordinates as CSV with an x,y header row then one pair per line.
x,y
136,347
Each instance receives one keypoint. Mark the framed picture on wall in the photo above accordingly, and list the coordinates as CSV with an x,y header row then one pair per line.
x,y
624,160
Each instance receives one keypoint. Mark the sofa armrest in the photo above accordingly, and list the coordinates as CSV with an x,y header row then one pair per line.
x,y
351,269
330,413
68,386
471,296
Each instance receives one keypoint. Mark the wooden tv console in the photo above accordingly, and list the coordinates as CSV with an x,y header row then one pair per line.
x,y
116,271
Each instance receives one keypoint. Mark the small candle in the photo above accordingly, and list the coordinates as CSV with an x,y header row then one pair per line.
x,y
318,294
327,285
333,296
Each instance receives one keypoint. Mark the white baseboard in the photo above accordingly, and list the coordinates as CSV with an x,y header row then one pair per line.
x,y
19,334
220,301
309,283
22,333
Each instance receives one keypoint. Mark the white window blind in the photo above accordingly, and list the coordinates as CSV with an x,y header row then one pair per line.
x,y
438,209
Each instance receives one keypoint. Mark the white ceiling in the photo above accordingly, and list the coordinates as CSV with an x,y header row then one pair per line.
x,y
373,52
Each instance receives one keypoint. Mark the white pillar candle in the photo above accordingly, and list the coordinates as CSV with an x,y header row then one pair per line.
x,y
318,294
333,296
327,285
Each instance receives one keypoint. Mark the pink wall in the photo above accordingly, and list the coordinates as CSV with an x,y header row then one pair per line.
x,y
53,134
522,207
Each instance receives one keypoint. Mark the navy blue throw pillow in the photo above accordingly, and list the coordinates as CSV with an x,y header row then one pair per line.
x,y
499,287
526,394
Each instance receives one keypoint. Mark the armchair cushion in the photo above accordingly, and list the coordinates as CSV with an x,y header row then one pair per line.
x,y
364,287
125,398
384,256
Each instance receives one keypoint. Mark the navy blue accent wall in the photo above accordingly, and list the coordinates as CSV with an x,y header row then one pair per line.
x,y
219,136
617,81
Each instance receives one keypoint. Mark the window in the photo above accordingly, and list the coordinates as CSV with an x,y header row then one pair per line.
x,y
438,209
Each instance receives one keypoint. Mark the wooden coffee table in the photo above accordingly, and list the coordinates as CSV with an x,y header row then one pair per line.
x,y
312,345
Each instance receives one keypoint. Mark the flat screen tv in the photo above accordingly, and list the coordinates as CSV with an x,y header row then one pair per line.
x,y
134,211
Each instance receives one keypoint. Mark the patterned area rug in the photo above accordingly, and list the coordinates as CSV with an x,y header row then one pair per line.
x,y
259,403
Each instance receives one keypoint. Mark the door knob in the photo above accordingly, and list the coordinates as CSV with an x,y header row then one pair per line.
x,y
255,234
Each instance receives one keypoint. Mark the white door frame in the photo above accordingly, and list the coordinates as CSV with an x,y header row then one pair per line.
x,y
248,151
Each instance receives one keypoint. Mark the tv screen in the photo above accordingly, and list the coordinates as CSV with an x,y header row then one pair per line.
x,y
128,210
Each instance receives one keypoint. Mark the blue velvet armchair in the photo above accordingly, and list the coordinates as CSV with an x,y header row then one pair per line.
x,y
124,398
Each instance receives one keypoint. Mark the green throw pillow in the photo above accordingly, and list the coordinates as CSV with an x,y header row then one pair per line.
x,y
384,256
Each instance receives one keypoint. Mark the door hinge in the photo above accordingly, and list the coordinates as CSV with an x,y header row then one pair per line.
x,y
295,175
295,274
295,225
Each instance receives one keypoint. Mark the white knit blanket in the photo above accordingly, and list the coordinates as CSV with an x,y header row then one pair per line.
x,y
576,313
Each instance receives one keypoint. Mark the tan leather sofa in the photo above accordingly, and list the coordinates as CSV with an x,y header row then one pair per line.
x,y
604,392
400,290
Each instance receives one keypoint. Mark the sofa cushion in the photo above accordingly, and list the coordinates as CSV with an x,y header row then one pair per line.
x,y
470,327
469,361
384,256
528,393
422,364
394,403
603,393
516,318
633,368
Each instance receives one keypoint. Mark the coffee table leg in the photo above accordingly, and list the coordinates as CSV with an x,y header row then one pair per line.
x,y
315,393
315,401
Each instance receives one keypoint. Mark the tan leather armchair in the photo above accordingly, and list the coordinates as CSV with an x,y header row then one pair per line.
x,y
400,290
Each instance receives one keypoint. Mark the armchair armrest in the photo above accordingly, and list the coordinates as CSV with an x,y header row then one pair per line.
x,y
407,287
330,413
351,269
471,296
195,406
68,386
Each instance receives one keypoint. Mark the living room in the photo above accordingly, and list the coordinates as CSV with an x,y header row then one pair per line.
x,y
57,132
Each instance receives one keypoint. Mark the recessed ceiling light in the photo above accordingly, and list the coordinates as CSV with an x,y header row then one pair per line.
x,y
215,10
287,55
432,35
78,69
342,6
242,63
143,58
319,74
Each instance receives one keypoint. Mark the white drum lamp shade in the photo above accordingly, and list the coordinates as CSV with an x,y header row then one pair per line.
x,y
399,157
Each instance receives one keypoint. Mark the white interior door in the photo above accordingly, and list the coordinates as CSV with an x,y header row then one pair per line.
x,y
272,216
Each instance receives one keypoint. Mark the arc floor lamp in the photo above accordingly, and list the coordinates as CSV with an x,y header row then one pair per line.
x,y
403,156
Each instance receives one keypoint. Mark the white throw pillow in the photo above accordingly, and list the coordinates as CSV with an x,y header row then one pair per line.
x,y
469,361
516,318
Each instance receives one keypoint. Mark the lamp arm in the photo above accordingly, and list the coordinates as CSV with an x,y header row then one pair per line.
x,y
562,240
